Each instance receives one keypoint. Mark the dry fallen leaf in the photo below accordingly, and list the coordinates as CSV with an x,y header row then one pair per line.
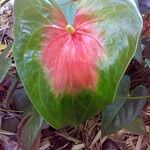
x,y
2,46
2,2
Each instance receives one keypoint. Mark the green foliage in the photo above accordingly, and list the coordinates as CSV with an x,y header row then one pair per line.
x,y
121,24
125,109
4,63
147,61
29,129
137,126
138,55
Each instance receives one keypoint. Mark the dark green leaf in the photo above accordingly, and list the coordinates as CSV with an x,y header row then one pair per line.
x,y
4,63
111,111
10,123
147,61
137,126
124,110
20,100
29,130
138,55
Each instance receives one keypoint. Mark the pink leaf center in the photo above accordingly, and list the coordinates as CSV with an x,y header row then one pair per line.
x,y
70,54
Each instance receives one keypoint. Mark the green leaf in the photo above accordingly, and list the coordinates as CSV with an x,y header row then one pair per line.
x,y
120,24
20,101
138,55
137,126
29,130
111,111
147,61
4,63
124,110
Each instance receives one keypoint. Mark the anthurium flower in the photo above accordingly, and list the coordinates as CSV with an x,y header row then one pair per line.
x,y
71,53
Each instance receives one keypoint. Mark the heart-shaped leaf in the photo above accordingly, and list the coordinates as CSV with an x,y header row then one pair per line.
x,y
71,55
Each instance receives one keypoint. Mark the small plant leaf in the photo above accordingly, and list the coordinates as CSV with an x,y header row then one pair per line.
x,y
137,126
29,130
147,61
4,62
124,110
21,101
111,111
138,54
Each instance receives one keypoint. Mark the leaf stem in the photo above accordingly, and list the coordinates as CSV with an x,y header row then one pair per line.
x,y
134,97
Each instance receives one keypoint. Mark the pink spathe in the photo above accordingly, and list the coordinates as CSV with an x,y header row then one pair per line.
x,y
70,59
